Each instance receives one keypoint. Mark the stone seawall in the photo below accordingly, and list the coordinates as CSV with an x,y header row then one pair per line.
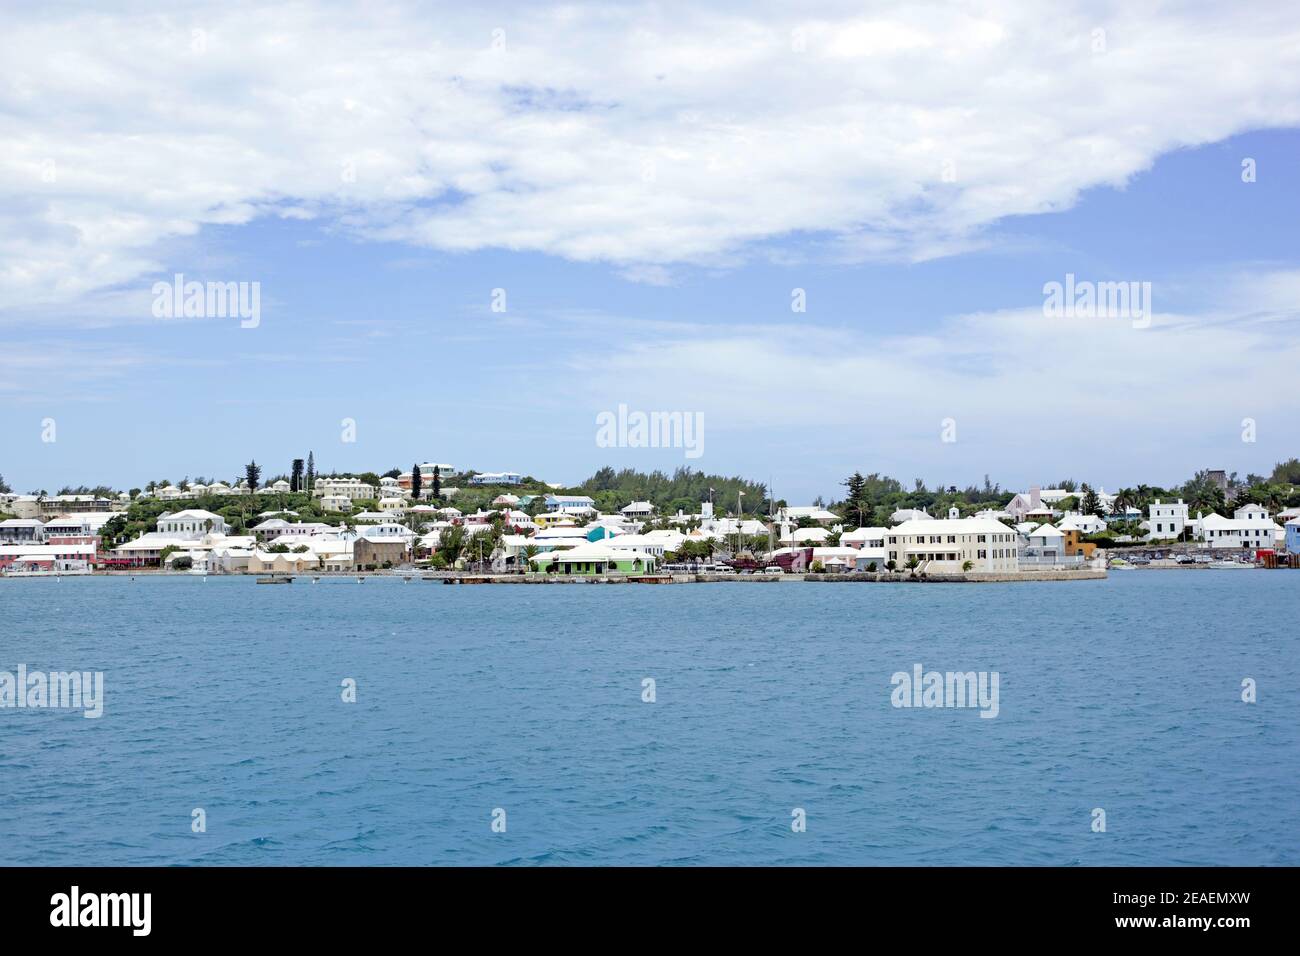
x,y
974,577
878,577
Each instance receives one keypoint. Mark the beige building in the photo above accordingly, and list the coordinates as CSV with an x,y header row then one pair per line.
x,y
262,562
369,552
944,545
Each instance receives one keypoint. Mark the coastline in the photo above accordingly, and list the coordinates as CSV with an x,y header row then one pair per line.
x,y
470,578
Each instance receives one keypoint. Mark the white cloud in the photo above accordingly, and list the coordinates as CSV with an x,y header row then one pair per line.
x,y
647,136
1027,392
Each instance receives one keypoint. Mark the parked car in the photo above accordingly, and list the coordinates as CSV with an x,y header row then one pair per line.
x,y
773,569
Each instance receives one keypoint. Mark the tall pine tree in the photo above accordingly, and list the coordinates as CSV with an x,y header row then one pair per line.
x,y
855,503
416,479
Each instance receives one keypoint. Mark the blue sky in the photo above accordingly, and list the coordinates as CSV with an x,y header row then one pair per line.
x,y
648,241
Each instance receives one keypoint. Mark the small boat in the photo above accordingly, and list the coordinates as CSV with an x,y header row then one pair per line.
x,y
275,580
315,580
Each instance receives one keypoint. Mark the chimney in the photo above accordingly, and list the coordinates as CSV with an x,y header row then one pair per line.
x,y
1035,496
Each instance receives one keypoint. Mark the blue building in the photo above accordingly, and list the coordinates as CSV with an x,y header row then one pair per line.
x,y
1293,536
570,503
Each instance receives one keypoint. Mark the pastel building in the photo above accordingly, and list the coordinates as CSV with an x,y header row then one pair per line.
x,y
594,559
347,487
1167,519
946,544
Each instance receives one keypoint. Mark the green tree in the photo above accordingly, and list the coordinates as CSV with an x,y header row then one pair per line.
x,y
252,474
451,543
437,482
416,478
295,476
311,472
1286,472
855,503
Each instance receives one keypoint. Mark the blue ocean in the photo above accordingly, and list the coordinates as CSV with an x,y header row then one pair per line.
x,y
528,707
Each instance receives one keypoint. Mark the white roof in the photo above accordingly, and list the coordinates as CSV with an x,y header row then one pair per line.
x,y
950,526
46,550
1046,531
847,554
864,534
191,514
155,541
595,552
1219,522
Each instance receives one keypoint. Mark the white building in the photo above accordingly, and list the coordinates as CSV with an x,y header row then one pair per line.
x,y
496,478
639,510
638,542
868,542
946,544
802,537
570,504
1084,524
194,522
1168,519
347,487
1044,544
1249,527
427,469
820,515
19,530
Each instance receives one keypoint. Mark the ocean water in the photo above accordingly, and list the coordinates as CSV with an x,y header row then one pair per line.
x,y
1123,695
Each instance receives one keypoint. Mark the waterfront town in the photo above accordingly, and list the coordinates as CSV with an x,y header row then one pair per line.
x,y
437,519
